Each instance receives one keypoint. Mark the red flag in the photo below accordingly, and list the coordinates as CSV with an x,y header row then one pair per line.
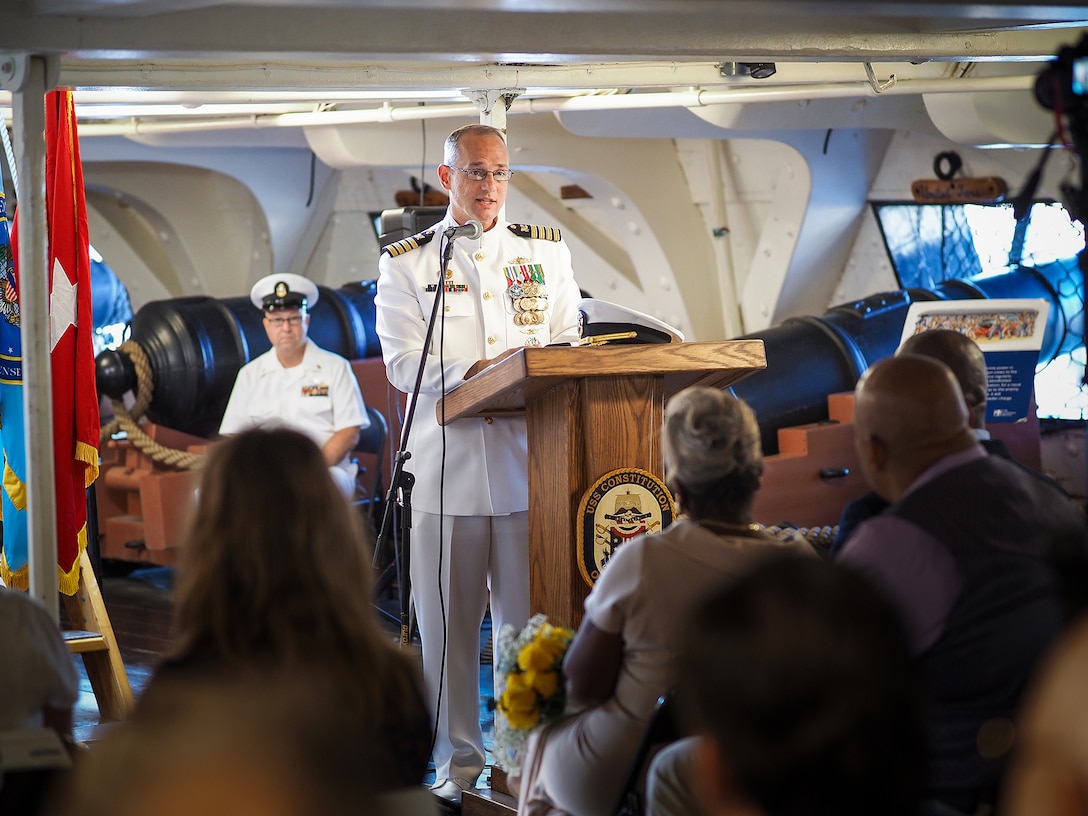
x,y
75,398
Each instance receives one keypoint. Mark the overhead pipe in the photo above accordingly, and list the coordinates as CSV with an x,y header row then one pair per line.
x,y
692,98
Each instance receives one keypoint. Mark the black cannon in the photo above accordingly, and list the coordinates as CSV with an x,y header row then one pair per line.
x,y
195,345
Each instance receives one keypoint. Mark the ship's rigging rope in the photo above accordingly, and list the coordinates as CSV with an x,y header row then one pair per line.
x,y
126,419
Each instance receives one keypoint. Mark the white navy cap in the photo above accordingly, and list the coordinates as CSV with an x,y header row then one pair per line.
x,y
601,322
285,291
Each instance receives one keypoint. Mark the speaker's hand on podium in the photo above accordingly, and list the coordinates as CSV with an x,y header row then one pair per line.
x,y
480,365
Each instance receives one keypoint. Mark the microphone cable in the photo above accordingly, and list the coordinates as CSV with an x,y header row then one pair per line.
x,y
441,295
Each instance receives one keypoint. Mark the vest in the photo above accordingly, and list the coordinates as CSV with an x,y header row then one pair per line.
x,y
1002,525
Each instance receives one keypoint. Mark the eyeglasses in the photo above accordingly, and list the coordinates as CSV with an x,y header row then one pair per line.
x,y
479,174
280,322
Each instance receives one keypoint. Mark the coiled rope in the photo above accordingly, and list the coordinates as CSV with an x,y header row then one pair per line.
x,y
125,419
819,537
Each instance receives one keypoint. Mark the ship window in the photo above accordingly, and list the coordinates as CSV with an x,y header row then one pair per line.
x,y
110,306
929,244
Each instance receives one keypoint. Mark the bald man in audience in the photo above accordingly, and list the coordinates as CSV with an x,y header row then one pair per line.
x,y
968,364
964,552
965,359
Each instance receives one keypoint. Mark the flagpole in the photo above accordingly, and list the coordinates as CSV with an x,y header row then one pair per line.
x,y
28,105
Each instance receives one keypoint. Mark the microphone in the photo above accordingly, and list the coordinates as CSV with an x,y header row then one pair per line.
x,y
472,230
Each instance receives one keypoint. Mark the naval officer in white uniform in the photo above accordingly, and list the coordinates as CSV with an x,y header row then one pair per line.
x,y
296,383
511,287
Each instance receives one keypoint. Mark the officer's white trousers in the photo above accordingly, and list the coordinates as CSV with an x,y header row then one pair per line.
x,y
482,557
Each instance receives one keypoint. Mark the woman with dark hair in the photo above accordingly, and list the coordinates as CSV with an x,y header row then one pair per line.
x,y
622,659
274,586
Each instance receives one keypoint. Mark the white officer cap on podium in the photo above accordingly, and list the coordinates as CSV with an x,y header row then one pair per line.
x,y
601,322
284,291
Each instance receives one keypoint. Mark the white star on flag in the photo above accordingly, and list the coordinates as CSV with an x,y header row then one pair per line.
x,y
62,305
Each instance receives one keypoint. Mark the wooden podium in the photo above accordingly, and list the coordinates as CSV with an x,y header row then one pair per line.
x,y
589,410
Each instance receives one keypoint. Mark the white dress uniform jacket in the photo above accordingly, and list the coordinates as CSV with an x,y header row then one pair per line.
x,y
318,397
485,459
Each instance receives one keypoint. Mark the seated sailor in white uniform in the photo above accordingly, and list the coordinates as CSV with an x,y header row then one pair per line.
x,y
296,383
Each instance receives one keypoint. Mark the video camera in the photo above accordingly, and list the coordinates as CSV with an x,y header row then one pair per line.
x,y
1062,87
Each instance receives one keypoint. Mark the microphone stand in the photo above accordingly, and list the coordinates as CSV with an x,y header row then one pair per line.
x,y
401,481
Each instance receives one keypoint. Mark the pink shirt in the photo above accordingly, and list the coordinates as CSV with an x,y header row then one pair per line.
x,y
913,567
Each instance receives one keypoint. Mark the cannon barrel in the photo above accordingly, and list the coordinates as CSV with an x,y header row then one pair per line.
x,y
196,345
810,357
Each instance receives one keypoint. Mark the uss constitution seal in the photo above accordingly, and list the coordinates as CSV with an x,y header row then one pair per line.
x,y
620,505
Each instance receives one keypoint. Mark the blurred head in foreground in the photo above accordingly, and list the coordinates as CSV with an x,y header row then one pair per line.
x,y
798,677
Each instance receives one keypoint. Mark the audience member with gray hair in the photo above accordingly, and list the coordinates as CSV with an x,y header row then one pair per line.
x,y
712,453
622,658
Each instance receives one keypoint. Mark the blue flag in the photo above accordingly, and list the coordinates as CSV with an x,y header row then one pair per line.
x,y
75,399
13,560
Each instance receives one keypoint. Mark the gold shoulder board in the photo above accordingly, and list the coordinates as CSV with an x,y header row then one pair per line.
x,y
408,244
533,231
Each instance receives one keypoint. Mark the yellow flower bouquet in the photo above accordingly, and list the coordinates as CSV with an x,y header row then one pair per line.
x,y
532,689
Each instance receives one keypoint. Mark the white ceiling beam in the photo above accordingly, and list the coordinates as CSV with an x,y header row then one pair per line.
x,y
535,32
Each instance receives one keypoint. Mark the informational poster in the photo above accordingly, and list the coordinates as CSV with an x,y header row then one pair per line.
x,y
1010,334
